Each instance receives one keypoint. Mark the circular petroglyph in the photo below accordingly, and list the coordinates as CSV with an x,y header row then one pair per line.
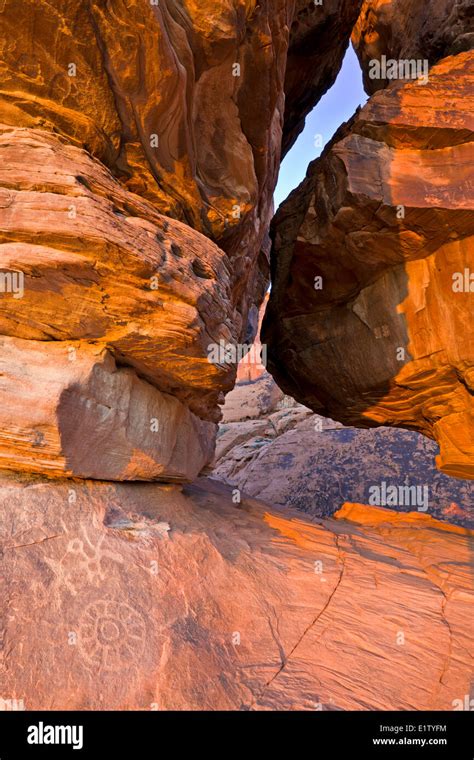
x,y
111,635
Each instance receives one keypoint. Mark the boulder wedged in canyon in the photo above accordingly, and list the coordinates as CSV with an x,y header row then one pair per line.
x,y
69,410
140,148
370,314
371,610
411,30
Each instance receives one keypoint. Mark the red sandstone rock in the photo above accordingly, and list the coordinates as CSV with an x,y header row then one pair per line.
x,y
253,364
372,610
251,400
101,265
385,221
69,410
182,101
411,30
110,118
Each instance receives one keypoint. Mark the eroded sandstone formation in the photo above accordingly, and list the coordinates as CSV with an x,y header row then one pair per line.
x,y
268,612
411,30
139,148
99,264
182,101
272,448
370,315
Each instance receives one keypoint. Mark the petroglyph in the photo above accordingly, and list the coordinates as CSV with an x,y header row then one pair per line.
x,y
111,635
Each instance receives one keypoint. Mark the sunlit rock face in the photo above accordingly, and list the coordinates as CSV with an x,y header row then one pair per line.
x,y
182,100
140,145
370,315
99,264
411,30
152,597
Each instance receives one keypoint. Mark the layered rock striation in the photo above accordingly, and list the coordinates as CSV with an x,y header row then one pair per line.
x,y
139,149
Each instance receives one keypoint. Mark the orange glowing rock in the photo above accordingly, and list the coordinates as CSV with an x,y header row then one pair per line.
x,y
384,222
180,598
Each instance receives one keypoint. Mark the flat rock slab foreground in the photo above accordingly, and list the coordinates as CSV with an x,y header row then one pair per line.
x,y
147,596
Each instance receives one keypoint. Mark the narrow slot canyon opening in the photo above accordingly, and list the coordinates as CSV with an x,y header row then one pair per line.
x,y
274,448
335,107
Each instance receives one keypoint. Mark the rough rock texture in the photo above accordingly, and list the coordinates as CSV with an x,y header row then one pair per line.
x,y
113,117
252,366
139,150
304,461
76,413
255,393
249,400
101,265
372,610
410,29
385,217
182,100
274,449
164,70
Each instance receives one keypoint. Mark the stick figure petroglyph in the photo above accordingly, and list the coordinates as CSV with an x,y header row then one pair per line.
x,y
84,563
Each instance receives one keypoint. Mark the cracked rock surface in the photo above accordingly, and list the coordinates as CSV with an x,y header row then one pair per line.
x,y
268,612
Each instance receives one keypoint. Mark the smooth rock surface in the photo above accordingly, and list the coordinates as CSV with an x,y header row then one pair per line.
x,y
371,610
68,409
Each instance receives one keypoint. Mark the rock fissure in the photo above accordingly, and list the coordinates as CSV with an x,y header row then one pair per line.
x,y
285,659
